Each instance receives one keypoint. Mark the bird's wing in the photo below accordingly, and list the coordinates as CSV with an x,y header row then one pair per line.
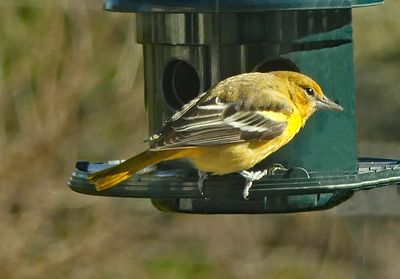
x,y
205,122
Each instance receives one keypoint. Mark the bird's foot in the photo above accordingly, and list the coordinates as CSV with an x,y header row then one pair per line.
x,y
276,168
200,183
251,176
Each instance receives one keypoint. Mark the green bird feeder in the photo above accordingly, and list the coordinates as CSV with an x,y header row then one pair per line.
x,y
190,46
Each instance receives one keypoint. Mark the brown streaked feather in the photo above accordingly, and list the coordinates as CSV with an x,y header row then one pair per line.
x,y
218,118
260,91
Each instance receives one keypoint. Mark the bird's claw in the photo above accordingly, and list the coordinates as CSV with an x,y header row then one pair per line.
x,y
276,167
200,183
251,176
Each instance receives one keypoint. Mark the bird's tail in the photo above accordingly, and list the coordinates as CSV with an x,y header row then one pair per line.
x,y
110,177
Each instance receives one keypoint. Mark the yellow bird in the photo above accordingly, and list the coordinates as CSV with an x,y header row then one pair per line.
x,y
231,127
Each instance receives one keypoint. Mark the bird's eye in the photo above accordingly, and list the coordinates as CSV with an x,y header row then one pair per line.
x,y
309,91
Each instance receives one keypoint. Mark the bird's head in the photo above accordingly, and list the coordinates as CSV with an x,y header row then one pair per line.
x,y
306,94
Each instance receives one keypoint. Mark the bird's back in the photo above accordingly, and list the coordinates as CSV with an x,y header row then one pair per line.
x,y
265,91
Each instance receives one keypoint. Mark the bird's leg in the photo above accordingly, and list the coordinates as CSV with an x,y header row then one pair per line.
x,y
251,176
202,176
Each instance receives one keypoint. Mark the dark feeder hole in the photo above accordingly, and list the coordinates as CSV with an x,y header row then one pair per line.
x,y
279,64
180,83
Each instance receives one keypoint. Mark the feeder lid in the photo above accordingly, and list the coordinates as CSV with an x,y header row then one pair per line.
x,y
181,6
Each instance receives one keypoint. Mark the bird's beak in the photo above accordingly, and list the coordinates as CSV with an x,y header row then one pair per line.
x,y
326,103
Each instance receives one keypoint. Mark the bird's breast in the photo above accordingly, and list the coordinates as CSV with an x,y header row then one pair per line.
x,y
228,158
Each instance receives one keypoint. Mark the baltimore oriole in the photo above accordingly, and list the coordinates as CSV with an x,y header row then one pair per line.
x,y
231,127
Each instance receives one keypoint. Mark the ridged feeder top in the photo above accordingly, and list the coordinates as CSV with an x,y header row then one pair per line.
x,y
209,6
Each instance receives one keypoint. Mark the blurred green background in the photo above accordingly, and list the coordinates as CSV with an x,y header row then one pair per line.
x,y
71,88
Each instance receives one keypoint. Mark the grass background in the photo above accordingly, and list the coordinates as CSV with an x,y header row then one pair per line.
x,y
71,88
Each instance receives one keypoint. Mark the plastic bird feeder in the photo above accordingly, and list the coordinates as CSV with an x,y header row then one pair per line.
x,y
189,46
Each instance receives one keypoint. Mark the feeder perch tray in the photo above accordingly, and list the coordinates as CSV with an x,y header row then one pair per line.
x,y
293,191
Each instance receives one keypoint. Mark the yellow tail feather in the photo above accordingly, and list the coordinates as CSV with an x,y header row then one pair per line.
x,y
110,177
